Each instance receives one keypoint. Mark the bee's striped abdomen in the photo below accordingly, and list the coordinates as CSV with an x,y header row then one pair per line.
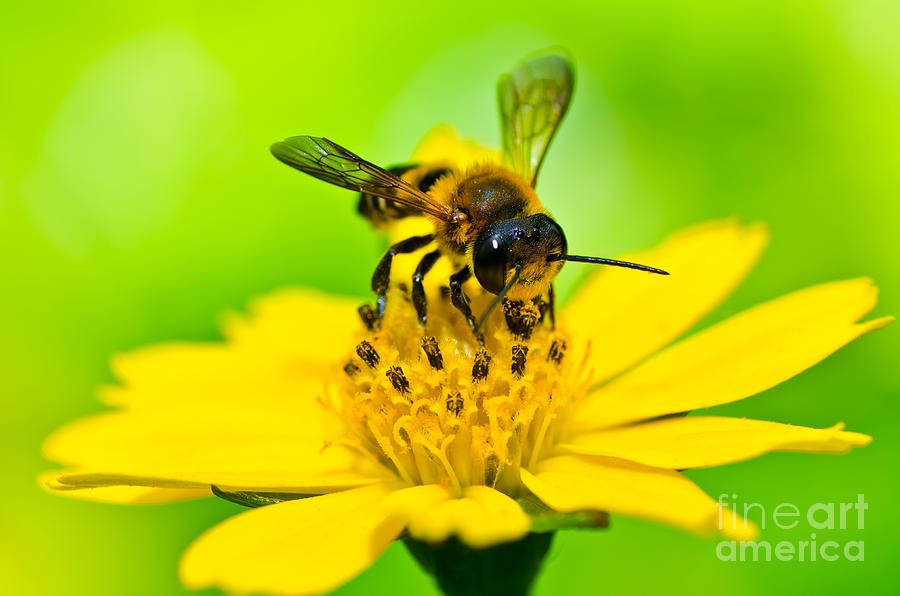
x,y
382,212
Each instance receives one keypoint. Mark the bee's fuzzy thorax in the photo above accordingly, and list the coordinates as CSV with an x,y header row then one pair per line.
x,y
486,193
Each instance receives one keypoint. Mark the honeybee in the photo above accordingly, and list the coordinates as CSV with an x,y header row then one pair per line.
x,y
487,219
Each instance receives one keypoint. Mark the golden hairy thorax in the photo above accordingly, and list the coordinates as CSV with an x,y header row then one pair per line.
x,y
486,193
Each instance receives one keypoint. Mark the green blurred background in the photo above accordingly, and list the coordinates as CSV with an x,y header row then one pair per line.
x,y
138,201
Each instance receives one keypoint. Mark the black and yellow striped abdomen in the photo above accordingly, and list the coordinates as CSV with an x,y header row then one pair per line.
x,y
381,212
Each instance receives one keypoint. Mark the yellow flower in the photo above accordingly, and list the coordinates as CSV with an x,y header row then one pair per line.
x,y
405,431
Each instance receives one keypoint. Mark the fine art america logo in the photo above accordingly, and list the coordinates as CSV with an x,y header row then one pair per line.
x,y
819,517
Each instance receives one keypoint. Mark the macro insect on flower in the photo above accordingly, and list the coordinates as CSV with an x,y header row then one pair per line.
x,y
487,218
347,428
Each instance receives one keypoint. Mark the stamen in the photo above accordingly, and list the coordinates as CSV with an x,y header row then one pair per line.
x,y
401,431
481,365
398,379
557,351
368,354
455,403
433,352
368,316
440,455
539,440
450,414
491,470
519,355
419,406
351,369
388,450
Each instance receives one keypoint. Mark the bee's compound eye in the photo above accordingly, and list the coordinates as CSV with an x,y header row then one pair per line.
x,y
490,264
551,234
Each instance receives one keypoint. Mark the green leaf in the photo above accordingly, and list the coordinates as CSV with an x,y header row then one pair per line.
x,y
545,519
252,499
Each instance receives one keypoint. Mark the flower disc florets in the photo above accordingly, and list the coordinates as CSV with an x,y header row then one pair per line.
x,y
430,421
438,407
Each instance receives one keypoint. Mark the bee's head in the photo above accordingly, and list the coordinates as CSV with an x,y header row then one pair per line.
x,y
525,245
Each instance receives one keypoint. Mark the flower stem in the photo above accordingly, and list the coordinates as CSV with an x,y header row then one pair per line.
x,y
503,570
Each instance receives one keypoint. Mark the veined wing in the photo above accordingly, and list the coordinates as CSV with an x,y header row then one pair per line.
x,y
533,99
336,165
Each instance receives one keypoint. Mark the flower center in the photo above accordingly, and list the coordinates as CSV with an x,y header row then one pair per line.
x,y
437,407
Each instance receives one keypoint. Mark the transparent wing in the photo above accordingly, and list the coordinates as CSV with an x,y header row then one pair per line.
x,y
332,163
533,100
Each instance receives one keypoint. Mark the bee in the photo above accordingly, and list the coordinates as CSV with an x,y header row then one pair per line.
x,y
487,219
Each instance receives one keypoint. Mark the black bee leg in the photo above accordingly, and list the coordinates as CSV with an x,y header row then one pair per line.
x,y
461,302
551,298
381,279
418,290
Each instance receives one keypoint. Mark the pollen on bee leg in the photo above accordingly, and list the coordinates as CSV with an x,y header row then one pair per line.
x,y
521,317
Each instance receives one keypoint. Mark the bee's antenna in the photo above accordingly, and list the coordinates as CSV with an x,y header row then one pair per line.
x,y
602,261
499,297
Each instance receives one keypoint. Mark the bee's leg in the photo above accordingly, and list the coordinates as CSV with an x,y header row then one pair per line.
x,y
418,289
461,302
551,298
381,279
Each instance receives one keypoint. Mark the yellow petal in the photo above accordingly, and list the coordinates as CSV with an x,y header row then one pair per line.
x,y
628,315
481,517
283,349
580,483
241,448
282,352
216,375
741,356
701,441
302,325
307,546
122,495
442,145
